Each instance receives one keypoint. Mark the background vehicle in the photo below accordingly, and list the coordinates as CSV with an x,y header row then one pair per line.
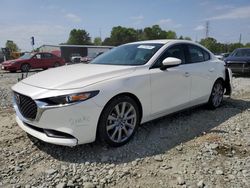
x,y
1,56
222,56
29,61
76,59
239,60
128,85
90,57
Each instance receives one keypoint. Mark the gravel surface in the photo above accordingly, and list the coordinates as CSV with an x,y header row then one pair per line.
x,y
194,148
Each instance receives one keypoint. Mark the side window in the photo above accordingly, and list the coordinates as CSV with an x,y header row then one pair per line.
x,y
38,56
46,56
174,51
197,54
206,55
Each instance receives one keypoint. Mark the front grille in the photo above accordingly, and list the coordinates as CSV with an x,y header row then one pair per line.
x,y
26,106
235,65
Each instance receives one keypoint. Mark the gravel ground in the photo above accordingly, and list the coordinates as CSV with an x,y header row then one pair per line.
x,y
194,148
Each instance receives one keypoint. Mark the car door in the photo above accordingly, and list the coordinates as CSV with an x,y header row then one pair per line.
x,y
170,88
36,60
48,60
202,72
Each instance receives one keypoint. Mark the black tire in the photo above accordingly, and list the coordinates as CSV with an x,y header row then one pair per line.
x,y
56,64
114,128
13,71
216,96
25,67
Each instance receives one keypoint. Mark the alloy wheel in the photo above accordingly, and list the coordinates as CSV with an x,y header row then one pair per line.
x,y
121,122
217,94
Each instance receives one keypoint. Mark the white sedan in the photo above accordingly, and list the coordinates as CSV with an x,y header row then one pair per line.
x,y
109,98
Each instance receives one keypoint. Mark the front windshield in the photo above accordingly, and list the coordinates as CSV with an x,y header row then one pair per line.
x,y
241,53
26,56
130,54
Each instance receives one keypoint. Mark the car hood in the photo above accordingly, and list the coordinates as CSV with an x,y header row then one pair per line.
x,y
237,59
76,76
13,60
7,62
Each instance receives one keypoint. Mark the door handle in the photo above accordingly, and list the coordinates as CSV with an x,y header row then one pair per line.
x,y
187,74
211,70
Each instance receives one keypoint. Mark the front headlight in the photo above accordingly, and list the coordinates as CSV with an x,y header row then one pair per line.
x,y
71,98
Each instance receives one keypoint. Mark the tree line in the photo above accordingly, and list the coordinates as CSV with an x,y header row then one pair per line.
x,y
121,35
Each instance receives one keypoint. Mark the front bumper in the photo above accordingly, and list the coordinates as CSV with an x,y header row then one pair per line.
x,y
42,136
8,67
74,124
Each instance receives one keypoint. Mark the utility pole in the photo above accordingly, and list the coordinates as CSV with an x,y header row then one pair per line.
x,y
32,42
240,39
100,32
207,29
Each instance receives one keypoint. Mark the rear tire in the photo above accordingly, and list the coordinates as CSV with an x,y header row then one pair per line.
x,y
216,96
118,121
56,64
25,67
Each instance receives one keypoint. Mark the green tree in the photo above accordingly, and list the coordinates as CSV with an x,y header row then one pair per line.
x,y
154,32
171,35
79,37
98,41
210,43
12,46
247,45
107,41
187,38
121,35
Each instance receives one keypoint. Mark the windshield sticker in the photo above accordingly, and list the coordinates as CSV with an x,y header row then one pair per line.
x,y
146,47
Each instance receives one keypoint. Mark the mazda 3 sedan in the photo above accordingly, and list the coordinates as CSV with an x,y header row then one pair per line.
x,y
110,97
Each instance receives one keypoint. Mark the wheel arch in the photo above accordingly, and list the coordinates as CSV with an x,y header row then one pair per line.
x,y
133,96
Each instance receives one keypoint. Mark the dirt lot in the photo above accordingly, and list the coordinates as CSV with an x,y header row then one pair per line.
x,y
195,148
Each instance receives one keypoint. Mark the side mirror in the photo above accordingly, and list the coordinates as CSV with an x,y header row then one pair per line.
x,y
170,62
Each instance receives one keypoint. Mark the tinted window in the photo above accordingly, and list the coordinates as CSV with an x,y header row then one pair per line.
x,y
174,51
47,56
197,54
241,53
206,55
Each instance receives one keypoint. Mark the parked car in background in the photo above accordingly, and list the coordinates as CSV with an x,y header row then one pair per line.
x,y
90,57
222,56
29,61
1,56
76,59
239,60
110,97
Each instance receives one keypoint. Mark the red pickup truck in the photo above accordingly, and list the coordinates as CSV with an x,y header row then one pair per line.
x,y
29,61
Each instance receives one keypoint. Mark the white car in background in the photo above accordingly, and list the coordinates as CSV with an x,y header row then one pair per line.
x,y
128,85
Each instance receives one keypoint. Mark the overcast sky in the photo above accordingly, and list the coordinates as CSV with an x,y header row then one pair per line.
x,y
50,21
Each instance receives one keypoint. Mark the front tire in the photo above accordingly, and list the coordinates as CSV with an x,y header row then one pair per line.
x,y
25,67
119,121
216,96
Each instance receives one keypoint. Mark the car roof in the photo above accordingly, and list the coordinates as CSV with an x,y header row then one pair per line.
x,y
161,41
